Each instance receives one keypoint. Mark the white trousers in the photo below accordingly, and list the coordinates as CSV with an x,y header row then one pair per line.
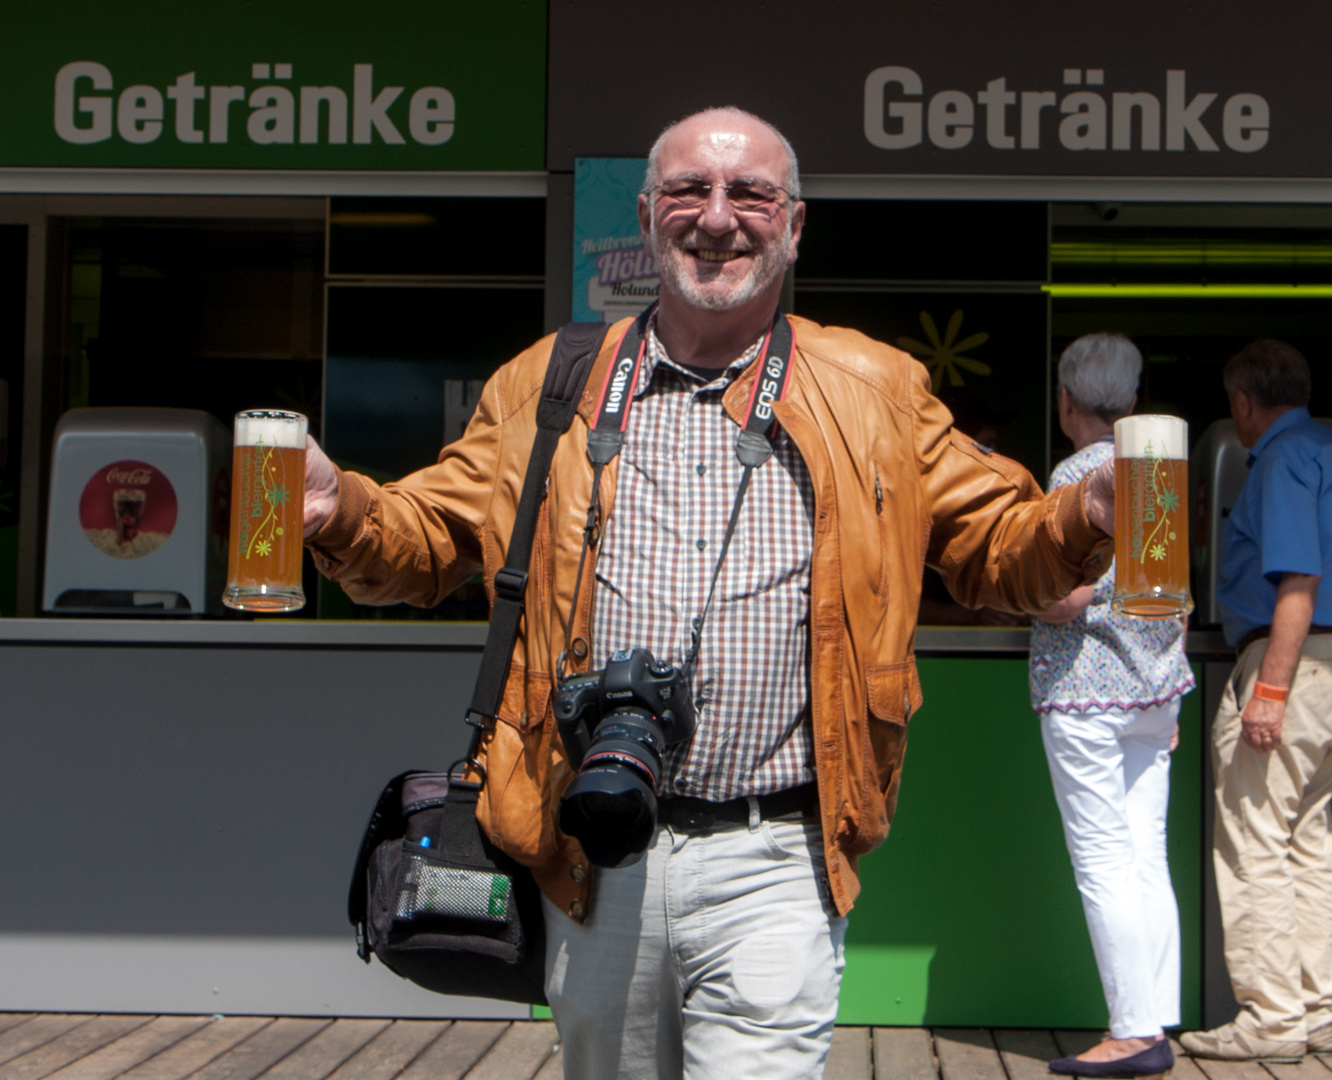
x,y
714,957
1111,774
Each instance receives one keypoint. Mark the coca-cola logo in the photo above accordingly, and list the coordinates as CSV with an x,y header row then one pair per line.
x,y
136,477
128,509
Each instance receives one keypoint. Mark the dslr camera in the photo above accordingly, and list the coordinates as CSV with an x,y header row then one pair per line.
x,y
616,725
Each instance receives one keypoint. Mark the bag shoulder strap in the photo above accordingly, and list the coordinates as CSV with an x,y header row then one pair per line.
x,y
571,360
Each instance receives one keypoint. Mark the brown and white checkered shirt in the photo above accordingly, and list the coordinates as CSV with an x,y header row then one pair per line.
x,y
677,480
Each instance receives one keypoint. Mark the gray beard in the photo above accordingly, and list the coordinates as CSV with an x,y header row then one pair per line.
x,y
673,264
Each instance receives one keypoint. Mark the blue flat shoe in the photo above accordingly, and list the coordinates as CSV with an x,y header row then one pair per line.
x,y
1153,1061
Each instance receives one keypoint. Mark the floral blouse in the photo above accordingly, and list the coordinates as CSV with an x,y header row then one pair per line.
x,y
1101,660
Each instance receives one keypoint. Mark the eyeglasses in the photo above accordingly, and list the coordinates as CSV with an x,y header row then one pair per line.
x,y
745,196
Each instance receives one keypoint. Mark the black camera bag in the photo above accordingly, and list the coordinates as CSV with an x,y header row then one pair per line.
x,y
431,896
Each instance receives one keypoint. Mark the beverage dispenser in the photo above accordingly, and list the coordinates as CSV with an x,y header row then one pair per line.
x,y
138,513
1217,471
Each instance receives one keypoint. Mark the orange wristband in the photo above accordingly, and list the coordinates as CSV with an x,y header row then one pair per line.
x,y
1268,692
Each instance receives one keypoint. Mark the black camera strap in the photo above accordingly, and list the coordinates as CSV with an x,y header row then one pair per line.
x,y
574,354
753,445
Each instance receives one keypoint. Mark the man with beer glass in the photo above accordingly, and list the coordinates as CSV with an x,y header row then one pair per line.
x,y
1273,729
1107,687
716,950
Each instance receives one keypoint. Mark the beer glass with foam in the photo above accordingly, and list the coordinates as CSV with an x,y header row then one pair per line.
x,y
1151,517
267,511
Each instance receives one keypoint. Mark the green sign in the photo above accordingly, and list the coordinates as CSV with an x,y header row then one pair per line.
x,y
293,84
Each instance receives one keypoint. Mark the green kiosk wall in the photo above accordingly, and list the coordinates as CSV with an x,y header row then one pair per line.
x,y
969,914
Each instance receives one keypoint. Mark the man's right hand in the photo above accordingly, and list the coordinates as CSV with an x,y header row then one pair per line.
x,y
321,487
1260,725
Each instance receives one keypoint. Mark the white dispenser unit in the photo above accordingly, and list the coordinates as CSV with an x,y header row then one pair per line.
x,y
138,513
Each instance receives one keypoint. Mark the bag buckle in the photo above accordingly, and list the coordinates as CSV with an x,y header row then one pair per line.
x,y
511,584
478,720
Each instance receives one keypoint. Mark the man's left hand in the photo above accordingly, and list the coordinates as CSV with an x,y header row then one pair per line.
x,y
1098,497
1291,617
1260,726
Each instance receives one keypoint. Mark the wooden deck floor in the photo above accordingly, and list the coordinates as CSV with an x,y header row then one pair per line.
x,y
54,1046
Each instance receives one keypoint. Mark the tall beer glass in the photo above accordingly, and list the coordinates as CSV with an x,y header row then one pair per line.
x,y
1152,517
267,511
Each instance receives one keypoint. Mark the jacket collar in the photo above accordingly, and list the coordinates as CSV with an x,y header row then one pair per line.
x,y
735,400
1282,423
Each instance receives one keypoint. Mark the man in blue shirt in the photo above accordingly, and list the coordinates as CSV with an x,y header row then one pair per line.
x,y
1273,730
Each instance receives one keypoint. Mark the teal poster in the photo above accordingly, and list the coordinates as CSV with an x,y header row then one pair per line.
x,y
613,275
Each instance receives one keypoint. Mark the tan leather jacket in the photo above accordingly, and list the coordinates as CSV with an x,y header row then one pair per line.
x,y
895,488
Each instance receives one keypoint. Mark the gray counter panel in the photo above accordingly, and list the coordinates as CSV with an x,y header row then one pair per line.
x,y
207,790
185,799
186,805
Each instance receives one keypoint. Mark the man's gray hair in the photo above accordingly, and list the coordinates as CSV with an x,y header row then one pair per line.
x,y
653,175
1100,372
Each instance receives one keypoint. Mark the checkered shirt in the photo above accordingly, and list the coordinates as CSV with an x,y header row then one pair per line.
x,y
677,481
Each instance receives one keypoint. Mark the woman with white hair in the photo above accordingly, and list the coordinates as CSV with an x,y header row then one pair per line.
x,y
1107,688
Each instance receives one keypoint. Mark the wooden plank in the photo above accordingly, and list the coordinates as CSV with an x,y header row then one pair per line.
x,y
519,1053
1073,1043
1185,1068
195,1051
904,1054
1026,1054
9,1020
1231,1070
391,1051
849,1056
457,1050
317,1058
553,1069
128,1051
1308,1069
37,1032
967,1054
76,1043
262,1050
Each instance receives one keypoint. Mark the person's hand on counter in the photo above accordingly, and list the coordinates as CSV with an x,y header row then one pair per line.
x,y
321,487
1098,497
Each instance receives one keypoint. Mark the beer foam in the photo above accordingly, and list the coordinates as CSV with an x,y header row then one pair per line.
x,y
1168,437
281,429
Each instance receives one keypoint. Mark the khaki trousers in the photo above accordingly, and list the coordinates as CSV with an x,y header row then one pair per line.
x,y
1273,852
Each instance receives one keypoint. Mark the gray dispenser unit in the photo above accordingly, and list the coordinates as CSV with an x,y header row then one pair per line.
x,y
138,520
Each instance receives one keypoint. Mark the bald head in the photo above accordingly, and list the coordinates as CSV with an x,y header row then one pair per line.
x,y
725,131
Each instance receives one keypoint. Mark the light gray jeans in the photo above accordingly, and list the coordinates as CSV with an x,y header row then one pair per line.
x,y
714,956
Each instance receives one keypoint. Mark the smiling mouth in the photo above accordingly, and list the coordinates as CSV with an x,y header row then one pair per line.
x,y
708,255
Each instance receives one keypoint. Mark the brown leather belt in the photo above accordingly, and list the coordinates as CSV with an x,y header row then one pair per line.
x,y
691,815
1258,633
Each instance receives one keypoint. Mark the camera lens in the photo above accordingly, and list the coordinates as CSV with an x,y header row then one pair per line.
x,y
612,813
611,806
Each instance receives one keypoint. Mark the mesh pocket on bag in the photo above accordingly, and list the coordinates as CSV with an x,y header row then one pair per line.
x,y
429,889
